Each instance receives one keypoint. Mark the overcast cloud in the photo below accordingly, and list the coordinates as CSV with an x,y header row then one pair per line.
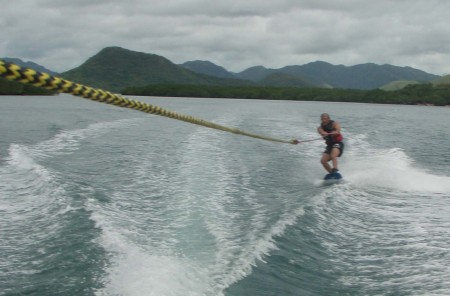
x,y
235,34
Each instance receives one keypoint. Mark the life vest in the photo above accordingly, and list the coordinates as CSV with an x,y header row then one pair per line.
x,y
331,139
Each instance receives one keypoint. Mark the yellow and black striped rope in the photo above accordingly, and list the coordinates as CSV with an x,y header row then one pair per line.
x,y
12,71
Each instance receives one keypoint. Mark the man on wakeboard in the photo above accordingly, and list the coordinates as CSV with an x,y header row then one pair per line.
x,y
330,130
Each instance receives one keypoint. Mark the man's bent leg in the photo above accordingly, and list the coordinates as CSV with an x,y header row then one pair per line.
x,y
325,159
334,155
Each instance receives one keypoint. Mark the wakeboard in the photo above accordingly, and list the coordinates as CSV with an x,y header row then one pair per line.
x,y
332,178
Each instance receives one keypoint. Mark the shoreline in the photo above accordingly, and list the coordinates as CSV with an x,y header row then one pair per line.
x,y
234,98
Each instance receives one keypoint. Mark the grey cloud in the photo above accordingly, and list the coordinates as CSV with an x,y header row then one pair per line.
x,y
234,34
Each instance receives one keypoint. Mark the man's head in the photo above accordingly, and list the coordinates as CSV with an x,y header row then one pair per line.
x,y
325,118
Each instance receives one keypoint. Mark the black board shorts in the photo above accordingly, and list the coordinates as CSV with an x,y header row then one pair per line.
x,y
339,146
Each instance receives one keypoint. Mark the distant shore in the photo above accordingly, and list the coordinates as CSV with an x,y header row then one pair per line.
x,y
15,88
419,94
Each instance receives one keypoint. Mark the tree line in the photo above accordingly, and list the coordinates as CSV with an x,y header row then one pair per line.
x,y
411,95
16,88
414,94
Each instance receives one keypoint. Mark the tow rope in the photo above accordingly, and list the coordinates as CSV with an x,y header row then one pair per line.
x,y
14,72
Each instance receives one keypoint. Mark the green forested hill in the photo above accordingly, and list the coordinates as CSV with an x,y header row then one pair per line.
x,y
285,80
442,80
397,85
207,68
115,68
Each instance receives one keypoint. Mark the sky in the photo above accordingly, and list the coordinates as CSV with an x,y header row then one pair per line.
x,y
235,34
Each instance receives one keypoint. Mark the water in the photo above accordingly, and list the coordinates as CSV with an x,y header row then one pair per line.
x,y
99,200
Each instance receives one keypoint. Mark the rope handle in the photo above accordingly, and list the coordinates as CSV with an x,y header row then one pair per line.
x,y
304,141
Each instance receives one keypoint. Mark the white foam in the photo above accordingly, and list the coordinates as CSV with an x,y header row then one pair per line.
x,y
68,141
220,191
389,168
22,175
139,272
142,269
211,236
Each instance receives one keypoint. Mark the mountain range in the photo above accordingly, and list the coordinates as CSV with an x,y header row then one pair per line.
x,y
323,74
116,68
29,64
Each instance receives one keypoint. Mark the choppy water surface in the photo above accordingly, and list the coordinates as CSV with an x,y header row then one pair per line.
x,y
98,200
